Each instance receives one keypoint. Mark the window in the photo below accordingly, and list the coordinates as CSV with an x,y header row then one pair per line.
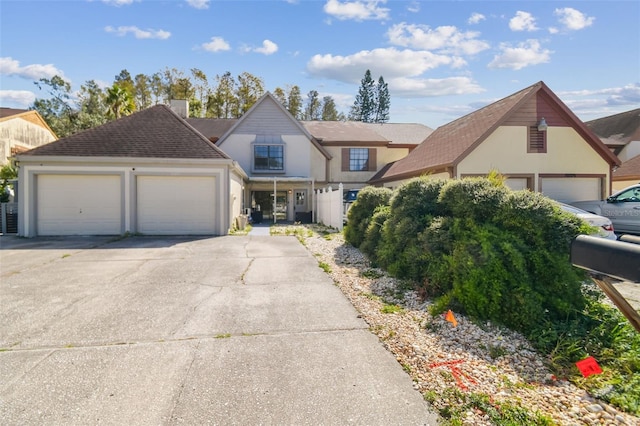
x,y
358,159
268,157
537,140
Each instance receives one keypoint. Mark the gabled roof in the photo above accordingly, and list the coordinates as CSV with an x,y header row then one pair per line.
x,y
617,129
155,132
451,143
31,116
269,97
629,170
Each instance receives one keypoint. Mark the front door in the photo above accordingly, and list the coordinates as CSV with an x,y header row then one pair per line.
x,y
301,206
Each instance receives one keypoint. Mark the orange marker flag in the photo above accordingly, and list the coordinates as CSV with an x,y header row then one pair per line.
x,y
589,366
452,319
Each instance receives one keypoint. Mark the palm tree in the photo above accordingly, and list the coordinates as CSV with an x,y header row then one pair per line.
x,y
119,102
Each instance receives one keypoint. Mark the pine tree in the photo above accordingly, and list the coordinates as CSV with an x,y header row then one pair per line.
x,y
329,110
312,111
383,102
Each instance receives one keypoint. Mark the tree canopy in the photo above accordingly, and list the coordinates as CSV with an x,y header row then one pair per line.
x,y
221,96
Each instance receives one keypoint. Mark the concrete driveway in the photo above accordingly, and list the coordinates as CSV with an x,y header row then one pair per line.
x,y
229,330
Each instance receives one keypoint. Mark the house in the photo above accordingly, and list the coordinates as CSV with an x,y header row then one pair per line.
x,y
21,130
149,173
621,133
159,172
287,160
531,137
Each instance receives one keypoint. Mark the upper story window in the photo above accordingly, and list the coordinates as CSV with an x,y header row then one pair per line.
x,y
358,159
537,140
268,154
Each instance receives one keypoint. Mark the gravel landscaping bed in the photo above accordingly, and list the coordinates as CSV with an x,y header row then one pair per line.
x,y
451,365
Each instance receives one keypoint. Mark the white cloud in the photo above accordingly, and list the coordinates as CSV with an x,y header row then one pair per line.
x,y
198,4
17,98
390,63
475,18
421,87
523,55
414,7
356,10
523,21
268,48
626,95
119,3
573,19
447,39
11,67
217,44
138,33
553,30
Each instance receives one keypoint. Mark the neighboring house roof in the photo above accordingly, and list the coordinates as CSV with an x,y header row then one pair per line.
x,y
155,132
31,116
358,133
619,129
451,143
629,170
212,128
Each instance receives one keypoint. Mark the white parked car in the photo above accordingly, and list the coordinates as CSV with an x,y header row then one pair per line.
x,y
604,225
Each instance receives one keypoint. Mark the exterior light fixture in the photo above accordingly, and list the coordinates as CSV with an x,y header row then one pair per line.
x,y
542,125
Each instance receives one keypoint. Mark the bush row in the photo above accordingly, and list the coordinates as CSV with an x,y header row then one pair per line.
x,y
475,246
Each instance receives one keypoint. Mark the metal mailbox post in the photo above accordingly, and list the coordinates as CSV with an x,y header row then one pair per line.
x,y
608,261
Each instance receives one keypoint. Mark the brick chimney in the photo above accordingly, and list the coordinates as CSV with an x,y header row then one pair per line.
x,y
180,107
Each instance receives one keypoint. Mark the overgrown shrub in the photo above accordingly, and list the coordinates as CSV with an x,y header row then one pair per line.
x,y
472,198
361,212
373,235
413,207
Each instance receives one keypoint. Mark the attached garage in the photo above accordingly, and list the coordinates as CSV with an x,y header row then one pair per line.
x,y
78,204
149,173
184,205
569,189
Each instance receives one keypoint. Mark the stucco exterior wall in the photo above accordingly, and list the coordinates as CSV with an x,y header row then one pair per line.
x,y
128,170
236,190
506,151
384,155
19,133
618,185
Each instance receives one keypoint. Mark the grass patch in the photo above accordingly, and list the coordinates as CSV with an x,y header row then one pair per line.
x,y
372,273
392,309
64,256
497,413
325,267
223,336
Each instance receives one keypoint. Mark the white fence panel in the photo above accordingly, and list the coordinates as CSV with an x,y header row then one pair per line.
x,y
329,207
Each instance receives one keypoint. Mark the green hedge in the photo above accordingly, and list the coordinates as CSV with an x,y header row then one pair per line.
x,y
476,246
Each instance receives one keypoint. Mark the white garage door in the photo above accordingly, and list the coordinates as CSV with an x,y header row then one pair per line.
x,y
79,205
517,184
571,189
176,205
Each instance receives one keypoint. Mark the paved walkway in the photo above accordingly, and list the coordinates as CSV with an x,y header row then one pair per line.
x,y
230,330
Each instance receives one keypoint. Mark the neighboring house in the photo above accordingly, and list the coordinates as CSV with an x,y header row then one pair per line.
x,y
149,173
531,137
21,130
621,133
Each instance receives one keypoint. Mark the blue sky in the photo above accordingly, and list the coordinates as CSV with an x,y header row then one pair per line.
x,y
441,59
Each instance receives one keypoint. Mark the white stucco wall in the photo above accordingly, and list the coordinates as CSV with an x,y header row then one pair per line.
x,y
384,155
506,151
398,183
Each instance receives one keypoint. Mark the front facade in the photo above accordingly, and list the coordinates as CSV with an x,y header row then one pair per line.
x,y
530,137
20,131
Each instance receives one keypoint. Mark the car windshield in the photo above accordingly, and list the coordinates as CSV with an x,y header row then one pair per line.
x,y
571,209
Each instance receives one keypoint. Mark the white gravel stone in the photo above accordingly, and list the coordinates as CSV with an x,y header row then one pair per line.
x,y
425,344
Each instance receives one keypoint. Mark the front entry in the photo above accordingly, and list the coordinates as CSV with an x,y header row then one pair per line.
x,y
262,203
301,206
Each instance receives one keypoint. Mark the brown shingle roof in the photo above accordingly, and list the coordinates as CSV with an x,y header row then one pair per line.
x,y
328,132
8,112
155,132
630,169
618,129
449,144
212,128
